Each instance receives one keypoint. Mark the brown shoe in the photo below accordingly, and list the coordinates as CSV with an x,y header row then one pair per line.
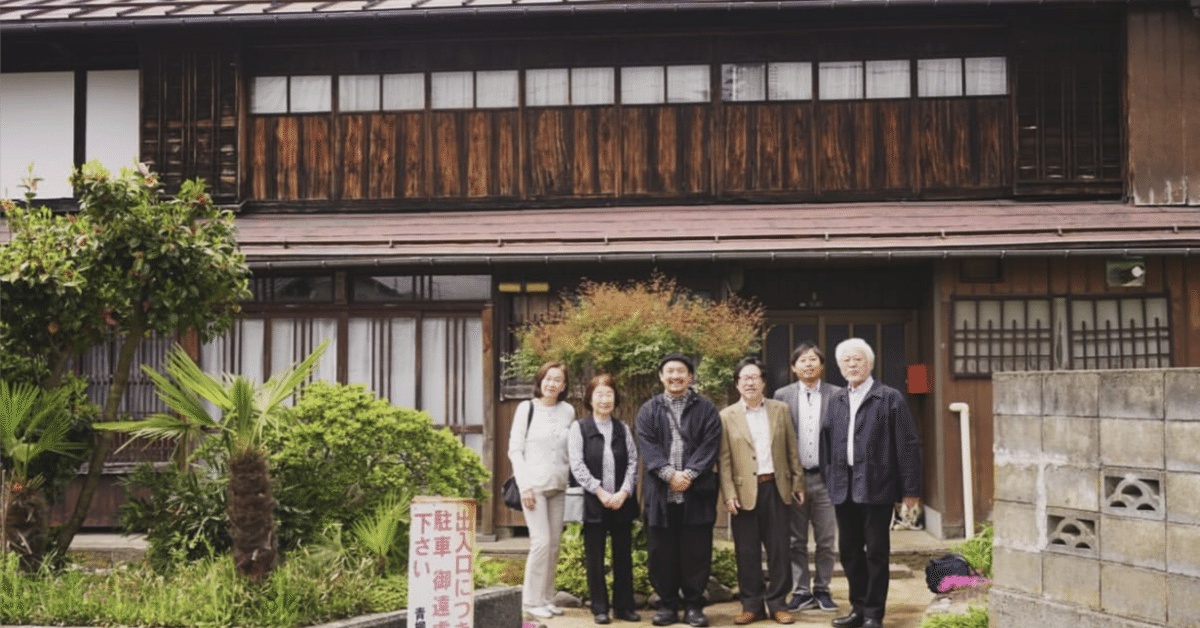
x,y
784,617
747,617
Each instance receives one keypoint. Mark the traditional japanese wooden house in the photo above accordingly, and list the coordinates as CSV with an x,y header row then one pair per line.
x,y
972,187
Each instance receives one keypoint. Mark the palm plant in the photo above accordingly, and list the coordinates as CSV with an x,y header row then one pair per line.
x,y
33,423
246,412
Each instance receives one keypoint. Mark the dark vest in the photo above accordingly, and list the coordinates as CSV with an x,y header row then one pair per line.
x,y
593,459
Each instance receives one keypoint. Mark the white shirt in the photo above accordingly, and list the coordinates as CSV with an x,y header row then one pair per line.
x,y
760,433
808,404
539,453
857,394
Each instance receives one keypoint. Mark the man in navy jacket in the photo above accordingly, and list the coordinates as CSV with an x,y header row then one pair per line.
x,y
871,459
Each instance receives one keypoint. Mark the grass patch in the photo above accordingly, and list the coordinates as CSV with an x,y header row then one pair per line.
x,y
208,593
975,617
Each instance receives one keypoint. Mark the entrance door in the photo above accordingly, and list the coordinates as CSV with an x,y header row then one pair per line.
x,y
891,333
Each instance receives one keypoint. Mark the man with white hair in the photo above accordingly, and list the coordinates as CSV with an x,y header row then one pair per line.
x,y
871,459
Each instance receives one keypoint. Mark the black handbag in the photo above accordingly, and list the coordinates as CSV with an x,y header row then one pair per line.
x,y
510,492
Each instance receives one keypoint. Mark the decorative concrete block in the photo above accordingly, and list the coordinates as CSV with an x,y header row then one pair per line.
x,y
1075,532
1071,579
1133,493
1181,397
1076,439
1016,525
1071,393
1183,602
1132,443
1017,393
1183,550
1184,490
1073,487
1135,542
1016,482
1133,394
1133,592
1017,570
1017,436
1183,445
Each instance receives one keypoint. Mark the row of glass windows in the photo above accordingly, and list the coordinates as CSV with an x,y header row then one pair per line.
x,y
639,85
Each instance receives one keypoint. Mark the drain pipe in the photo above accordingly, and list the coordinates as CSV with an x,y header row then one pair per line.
x,y
964,431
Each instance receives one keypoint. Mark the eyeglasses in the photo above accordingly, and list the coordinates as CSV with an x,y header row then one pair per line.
x,y
749,379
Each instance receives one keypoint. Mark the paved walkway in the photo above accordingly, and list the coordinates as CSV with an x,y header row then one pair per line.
x,y
908,597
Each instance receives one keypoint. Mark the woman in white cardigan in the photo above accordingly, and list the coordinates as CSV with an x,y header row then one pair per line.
x,y
537,448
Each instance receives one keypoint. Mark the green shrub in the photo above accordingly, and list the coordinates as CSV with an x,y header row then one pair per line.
x,y
571,575
978,550
348,451
182,513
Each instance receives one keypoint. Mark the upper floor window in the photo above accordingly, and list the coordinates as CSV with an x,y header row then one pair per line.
x,y
495,89
652,85
557,87
973,76
788,80
291,94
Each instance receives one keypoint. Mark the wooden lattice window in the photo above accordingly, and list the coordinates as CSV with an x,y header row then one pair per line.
x,y
1042,333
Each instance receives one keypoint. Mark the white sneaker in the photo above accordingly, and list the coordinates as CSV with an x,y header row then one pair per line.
x,y
539,611
554,609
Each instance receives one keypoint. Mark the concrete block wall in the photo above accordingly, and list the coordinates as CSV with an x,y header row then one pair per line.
x,y
1097,502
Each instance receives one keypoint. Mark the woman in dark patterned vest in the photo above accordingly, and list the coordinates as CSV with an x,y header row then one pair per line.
x,y
604,462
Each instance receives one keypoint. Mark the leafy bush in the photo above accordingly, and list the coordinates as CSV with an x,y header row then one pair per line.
x,y
624,329
182,513
571,575
348,451
978,550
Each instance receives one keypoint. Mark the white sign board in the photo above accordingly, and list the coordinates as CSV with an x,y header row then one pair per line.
x,y
441,563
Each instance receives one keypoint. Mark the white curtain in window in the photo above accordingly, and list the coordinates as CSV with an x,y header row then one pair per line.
x,y
688,83
986,76
452,90
643,85
888,79
112,117
592,86
496,89
841,80
359,92
241,351
789,80
939,78
404,92
548,88
452,371
311,94
383,356
743,82
269,94
293,340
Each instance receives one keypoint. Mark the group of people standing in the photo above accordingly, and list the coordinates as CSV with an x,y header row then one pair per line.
x,y
816,456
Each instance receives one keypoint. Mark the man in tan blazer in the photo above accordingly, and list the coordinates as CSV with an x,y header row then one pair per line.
x,y
761,479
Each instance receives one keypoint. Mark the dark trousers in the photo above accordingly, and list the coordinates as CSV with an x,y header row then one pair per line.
x,y
594,537
864,542
766,527
680,561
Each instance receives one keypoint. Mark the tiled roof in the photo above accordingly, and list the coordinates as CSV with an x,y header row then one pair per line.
x,y
18,14
743,232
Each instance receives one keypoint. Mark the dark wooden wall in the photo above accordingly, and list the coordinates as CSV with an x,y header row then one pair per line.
x,y
1178,277
1164,105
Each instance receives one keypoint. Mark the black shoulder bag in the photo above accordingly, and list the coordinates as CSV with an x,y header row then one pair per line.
x,y
510,493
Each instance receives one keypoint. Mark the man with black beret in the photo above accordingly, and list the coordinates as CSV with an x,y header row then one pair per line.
x,y
679,434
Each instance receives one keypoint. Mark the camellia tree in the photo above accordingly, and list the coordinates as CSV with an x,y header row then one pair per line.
x,y
129,263
624,329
